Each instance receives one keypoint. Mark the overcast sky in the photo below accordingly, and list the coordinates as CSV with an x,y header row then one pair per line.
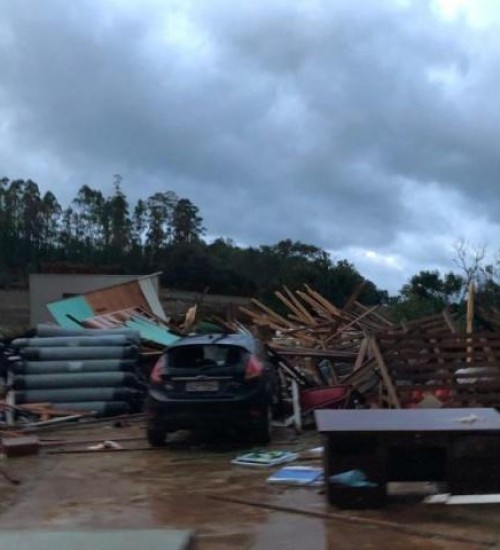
x,y
370,128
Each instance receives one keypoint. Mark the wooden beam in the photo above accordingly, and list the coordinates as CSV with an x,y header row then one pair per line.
x,y
326,303
361,355
378,315
347,326
450,321
391,390
318,307
299,306
470,308
352,300
297,313
271,313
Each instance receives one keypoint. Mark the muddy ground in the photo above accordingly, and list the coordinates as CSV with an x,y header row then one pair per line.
x,y
66,487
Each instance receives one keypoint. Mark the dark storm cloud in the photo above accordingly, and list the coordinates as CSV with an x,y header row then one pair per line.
x,y
279,119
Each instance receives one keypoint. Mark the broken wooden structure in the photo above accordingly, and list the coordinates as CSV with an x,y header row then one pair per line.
x,y
427,362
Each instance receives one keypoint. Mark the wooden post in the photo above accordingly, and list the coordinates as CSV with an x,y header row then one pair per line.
x,y
389,386
449,321
470,319
470,308
360,359
297,413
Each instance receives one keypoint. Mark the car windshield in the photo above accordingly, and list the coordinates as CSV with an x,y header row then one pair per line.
x,y
197,356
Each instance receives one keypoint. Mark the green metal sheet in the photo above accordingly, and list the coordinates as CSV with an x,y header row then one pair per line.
x,y
77,307
150,331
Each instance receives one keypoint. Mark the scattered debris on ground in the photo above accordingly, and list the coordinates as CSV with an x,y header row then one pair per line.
x,y
62,381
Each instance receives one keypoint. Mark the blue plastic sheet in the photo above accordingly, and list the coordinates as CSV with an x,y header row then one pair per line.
x,y
352,478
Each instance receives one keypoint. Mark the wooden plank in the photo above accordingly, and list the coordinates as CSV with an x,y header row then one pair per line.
x,y
393,396
457,380
470,315
262,317
470,307
324,326
403,330
447,365
431,355
297,314
256,320
287,367
415,346
313,352
35,406
488,350
116,298
351,301
413,334
412,356
301,331
349,325
299,306
450,321
250,312
326,303
362,374
444,345
360,359
271,313
299,320
306,340
378,316
462,338
319,308
425,319
404,371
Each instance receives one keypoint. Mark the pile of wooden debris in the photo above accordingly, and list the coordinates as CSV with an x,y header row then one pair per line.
x,y
428,362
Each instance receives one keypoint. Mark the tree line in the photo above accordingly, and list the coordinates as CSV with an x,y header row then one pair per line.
x,y
162,232
165,232
35,228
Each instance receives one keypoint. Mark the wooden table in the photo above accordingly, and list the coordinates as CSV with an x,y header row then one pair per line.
x,y
458,446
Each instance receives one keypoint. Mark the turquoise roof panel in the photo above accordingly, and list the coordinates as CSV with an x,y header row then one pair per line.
x,y
152,332
66,310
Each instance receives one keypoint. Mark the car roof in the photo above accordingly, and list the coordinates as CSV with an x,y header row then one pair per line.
x,y
235,339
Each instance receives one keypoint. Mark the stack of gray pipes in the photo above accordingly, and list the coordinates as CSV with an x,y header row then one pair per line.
x,y
81,369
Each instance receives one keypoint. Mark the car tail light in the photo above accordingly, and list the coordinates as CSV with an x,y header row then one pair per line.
x,y
254,368
158,370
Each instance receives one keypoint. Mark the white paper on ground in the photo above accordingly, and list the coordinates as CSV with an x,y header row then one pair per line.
x,y
462,499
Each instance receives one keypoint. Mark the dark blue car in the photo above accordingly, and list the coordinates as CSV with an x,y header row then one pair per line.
x,y
212,381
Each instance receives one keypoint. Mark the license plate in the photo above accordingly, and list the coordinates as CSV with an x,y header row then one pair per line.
x,y
207,385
